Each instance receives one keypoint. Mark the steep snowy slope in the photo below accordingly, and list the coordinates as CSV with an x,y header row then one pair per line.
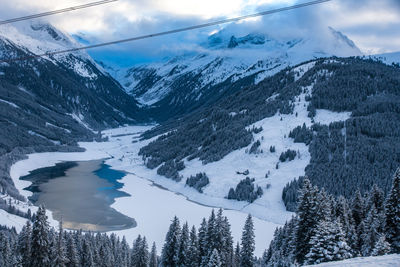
x,y
224,64
72,81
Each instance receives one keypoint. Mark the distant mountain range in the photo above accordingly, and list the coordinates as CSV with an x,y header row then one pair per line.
x,y
222,65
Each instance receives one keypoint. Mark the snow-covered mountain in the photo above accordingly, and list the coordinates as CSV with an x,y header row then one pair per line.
x,y
70,80
50,103
223,64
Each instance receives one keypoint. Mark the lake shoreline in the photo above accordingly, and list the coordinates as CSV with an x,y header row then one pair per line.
x,y
80,193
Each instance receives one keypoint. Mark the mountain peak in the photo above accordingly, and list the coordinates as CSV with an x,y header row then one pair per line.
x,y
341,37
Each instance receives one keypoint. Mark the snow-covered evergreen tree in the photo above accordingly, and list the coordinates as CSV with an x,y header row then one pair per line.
x,y
358,208
143,255
40,240
181,256
211,235
370,232
171,242
215,260
247,244
193,250
345,218
135,251
61,259
377,198
153,262
202,240
87,254
382,247
236,256
72,253
307,213
393,214
328,243
125,252
7,257
24,244
228,253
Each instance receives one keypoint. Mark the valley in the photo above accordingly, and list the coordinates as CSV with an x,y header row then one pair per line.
x,y
279,149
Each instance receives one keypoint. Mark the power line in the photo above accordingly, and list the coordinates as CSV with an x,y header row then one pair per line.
x,y
57,11
264,13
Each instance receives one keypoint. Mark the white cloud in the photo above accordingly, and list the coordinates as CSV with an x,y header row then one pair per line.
x,y
373,25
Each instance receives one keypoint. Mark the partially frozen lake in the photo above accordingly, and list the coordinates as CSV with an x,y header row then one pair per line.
x,y
80,194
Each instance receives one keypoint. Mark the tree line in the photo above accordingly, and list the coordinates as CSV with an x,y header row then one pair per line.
x,y
328,229
323,229
39,245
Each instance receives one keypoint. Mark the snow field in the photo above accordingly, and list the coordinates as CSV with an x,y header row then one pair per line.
x,y
378,261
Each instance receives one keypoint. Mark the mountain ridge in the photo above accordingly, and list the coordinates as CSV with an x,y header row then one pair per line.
x,y
222,65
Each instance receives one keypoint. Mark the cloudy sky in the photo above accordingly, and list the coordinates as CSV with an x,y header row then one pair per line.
x,y
373,25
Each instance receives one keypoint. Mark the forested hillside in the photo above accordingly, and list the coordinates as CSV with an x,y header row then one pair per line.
x,y
345,156
353,155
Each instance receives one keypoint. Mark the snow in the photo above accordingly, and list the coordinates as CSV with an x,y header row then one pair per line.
x,y
389,58
39,37
79,118
218,63
381,261
48,124
147,204
11,220
9,103
155,199
324,116
302,69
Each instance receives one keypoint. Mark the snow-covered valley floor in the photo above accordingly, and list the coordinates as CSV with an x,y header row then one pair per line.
x,y
151,206
155,199
379,261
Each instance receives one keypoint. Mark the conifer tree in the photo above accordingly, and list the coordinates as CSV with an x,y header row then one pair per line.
x,y
370,233
248,244
358,208
236,258
72,253
307,212
226,242
136,247
40,240
193,250
24,244
211,236
171,242
393,214
377,198
345,218
61,259
382,247
203,240
5,251
143,255
181,256
328,244
87,254
125,253
215,260
153,262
